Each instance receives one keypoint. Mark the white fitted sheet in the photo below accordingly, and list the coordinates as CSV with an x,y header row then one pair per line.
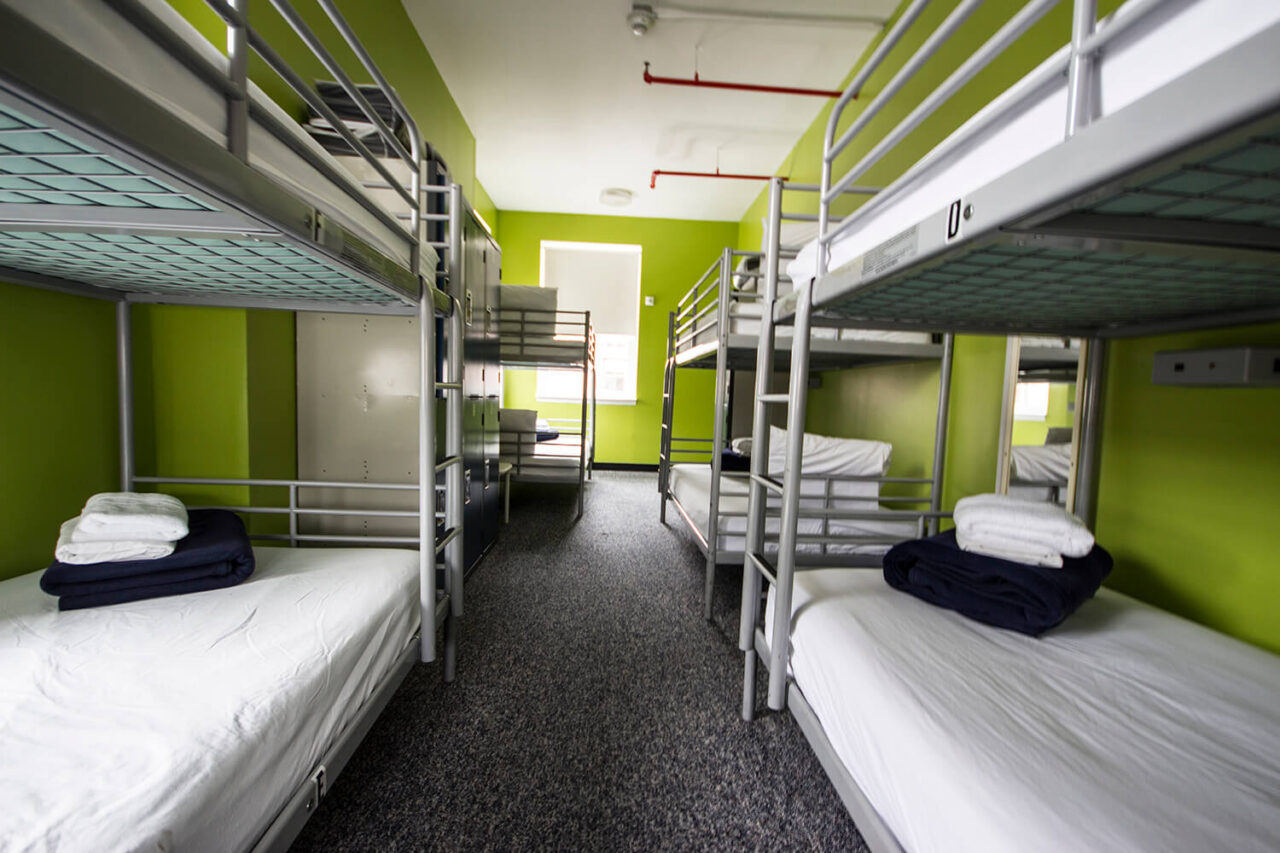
x,y
185,723
554,461
1126,728
691,484
97,32
1041,461
1171,41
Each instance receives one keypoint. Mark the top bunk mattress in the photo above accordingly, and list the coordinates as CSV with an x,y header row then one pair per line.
x,y
185,723
1126,728
98,32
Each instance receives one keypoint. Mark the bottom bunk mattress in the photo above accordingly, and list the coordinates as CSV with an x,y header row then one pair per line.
x,y
691,485
1126,728
186,723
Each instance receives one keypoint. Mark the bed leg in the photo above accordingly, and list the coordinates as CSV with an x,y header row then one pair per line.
x,y
749,686
662,512
709,587
450,647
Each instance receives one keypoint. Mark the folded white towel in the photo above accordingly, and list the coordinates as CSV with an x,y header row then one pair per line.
x,y
1034,558
132,515
108,551
1012,525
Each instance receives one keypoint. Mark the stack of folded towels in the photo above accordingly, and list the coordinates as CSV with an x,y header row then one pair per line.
x,y
127,546
1016,564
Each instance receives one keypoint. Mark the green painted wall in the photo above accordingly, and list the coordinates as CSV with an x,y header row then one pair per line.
x,y
674,254
59,441
1187,495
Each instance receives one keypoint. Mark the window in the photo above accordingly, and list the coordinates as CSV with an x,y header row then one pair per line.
x,y
1031,401
603,278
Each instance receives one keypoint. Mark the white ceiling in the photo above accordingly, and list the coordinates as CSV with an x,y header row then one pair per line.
x,y
553,92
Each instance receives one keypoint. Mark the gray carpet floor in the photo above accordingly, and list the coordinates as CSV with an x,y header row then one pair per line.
x,y
594,708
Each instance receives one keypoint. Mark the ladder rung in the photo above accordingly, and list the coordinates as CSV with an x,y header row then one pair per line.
x,y
448,386
762,565
774,398
767,482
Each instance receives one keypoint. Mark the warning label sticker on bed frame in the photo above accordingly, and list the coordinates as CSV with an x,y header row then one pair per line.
x,y
891,253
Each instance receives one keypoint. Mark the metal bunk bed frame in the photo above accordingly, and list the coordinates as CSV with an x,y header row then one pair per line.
x,y
51,92
1044,211
704,310
573,349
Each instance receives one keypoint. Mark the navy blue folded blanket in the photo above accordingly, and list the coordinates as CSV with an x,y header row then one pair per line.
x,y
1029,599
215,553
732,460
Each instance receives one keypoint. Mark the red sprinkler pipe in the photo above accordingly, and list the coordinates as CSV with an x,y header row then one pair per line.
x,y
741,87
653,179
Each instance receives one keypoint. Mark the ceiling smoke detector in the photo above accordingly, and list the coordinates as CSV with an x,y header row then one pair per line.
x,y
641,18
616,196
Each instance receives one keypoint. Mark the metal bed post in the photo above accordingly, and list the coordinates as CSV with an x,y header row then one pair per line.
x,y
668,416
798,396
940,432
124,360
1081,79
591,461
427,483
717,435
1004,454
1085,490
582,437
238,75
454,565
758,496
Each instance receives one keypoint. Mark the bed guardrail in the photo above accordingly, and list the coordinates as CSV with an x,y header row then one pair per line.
x,y
1076,61
242,39
539,337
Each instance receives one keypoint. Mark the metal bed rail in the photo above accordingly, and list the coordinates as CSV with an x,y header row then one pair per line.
x,y
242,39
1076,60
545,338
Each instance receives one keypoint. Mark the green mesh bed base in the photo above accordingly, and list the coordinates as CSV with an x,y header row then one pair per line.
x,y
193,266
40,165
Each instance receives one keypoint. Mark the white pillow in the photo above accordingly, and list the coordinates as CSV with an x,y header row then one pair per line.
x,y
517,420
824,454
741,446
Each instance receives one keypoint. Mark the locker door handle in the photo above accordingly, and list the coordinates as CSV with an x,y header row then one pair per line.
x,y
466,491
486,472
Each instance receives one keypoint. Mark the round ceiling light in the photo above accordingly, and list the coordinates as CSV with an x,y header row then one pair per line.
x,y
616,196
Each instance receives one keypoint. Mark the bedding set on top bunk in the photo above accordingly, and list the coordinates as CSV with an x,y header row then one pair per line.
x,y
183,685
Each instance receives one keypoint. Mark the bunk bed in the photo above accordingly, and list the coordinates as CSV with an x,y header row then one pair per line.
x,y
137,164
716,326
1156,213
533,334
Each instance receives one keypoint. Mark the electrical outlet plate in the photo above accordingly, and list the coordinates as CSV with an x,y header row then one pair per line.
x,y
648,301
1235,367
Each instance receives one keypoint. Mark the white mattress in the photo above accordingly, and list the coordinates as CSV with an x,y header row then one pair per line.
x,y
691,484
1041,462
1124,729
96,31
1171,41
185,723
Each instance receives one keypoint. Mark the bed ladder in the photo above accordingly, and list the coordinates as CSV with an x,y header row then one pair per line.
x,y
668,415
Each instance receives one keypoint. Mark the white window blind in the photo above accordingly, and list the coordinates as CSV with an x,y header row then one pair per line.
x,y
603,278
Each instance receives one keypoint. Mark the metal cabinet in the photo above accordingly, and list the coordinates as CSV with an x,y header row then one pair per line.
x,y
478,277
